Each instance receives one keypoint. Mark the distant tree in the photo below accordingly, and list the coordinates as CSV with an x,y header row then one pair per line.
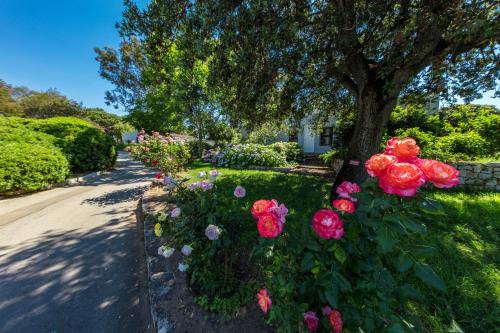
x,y
111,123
8,105
49,104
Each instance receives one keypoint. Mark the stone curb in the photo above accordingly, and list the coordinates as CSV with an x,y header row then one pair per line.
x,y
160,279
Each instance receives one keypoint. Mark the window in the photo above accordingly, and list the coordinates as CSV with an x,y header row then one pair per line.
x,y
293,136
326,136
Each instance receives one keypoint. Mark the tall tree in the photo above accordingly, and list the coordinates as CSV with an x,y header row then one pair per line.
x,y
277,59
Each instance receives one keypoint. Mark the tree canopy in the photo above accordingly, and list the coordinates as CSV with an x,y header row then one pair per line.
x,y
284,59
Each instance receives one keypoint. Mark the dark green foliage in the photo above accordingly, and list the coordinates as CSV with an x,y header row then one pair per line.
x,y
292,151
27,167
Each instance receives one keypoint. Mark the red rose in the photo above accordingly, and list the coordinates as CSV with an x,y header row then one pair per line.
x,y
335,319
378,163
406,149
155,163
261,207
389,146
328,224
440,174
344,205
347,188
264,300
269,225
311,321
402,179
158,175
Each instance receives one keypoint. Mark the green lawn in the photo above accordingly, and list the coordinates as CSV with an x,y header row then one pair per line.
x,y
466,241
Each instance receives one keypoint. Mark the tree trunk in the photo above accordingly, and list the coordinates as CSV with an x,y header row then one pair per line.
x,y
373,115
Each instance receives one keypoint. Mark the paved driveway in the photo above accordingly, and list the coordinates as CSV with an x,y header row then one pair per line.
x,y
71,258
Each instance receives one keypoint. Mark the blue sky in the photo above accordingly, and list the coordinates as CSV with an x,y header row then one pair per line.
x,y
49,44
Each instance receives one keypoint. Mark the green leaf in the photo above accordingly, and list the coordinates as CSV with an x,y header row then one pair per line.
x,y
340,255
307,262
342,282
454,327
430,206
414,226
403,263
427,275
395,328
331,296
385,239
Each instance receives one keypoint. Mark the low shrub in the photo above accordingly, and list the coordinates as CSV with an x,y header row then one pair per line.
x,y
335,154
245,155
162,152
27,167
292,151
86,147
217,231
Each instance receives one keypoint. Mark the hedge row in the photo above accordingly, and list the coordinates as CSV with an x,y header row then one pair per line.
x,y
38,152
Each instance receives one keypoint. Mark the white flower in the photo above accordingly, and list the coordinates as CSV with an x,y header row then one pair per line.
x,y
212,232
240,191
166,251
202,174
182,267
186,250
175,212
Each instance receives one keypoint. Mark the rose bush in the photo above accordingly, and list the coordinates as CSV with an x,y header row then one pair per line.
x,y
161,152
349,266
220,236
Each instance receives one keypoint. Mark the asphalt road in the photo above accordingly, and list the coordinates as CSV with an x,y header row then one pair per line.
x,y
71,258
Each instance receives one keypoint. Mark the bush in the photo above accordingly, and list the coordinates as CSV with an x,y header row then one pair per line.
x,y
292,151
335,154
168,156
86,147
26,167
219,269
245,155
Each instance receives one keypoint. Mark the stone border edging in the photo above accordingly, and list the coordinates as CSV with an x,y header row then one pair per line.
x,y
161,279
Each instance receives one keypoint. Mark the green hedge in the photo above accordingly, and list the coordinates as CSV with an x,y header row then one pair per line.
x,y
87,148
29,167
291,150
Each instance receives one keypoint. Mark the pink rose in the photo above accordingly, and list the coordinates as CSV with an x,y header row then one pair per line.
x,y
261,207
327,224
335,320
402,179
269,225
240,192
378,163
440,174
311,321
264,300
346,188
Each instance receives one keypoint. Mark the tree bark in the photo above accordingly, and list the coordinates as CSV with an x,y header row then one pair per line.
x,y
374,110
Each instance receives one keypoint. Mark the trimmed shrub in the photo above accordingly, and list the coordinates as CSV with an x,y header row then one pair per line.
x,y
250,155
291,150
86,147
26,167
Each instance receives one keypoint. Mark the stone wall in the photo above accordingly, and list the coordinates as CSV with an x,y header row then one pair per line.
x,y
479,175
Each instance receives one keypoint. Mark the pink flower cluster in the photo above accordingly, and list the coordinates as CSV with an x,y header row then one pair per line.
x,y
401,172
310,317
270,217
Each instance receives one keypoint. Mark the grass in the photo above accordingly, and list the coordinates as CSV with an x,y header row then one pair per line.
x,y
466,242
466,257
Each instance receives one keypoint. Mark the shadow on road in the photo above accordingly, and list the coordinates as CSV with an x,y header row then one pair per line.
x,y
118,196
73,281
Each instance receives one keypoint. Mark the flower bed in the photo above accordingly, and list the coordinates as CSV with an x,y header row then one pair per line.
x,y
279,154
161,152
352,267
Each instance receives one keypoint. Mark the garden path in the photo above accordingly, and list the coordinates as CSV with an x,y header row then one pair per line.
x,y
71,258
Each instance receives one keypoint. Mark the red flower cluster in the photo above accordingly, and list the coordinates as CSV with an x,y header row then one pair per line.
x,y
264,300
401,172
334,318
270,217
346,203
